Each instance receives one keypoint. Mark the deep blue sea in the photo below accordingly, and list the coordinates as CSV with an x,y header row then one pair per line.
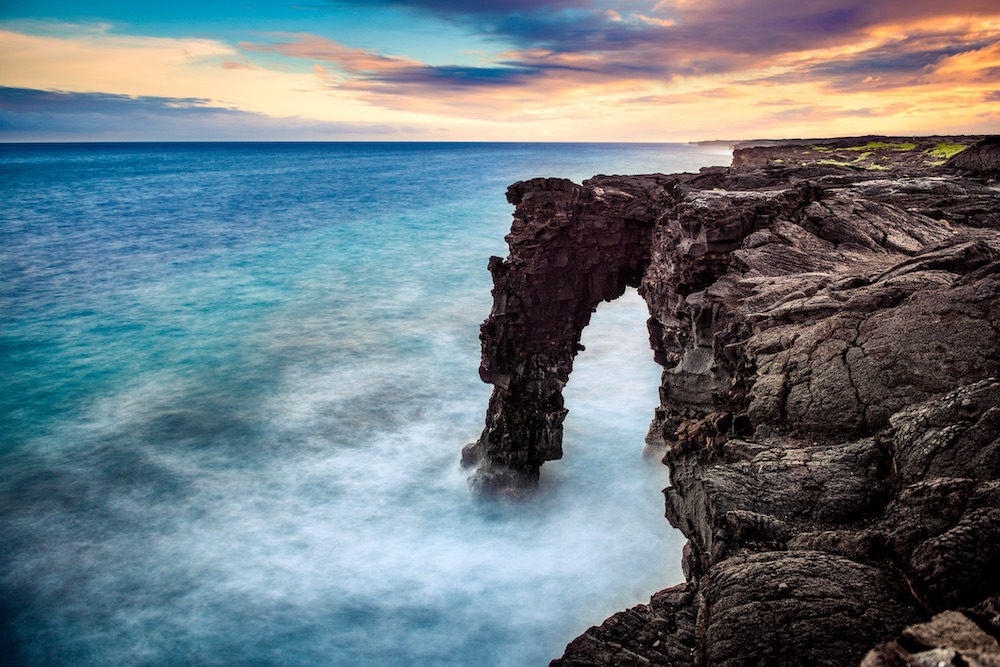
x,y
235,380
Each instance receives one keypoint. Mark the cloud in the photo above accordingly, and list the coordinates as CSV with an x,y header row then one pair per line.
x,y
642,69
313,47
22,100
975,67
698,96
369,71
238,64
452,8
745,27
364,69
741,58
138,66
845,42
903,61
825,113
502,89
39,115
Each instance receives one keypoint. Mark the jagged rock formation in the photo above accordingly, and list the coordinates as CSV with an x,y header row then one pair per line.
x,y
571,247
830,401
982,159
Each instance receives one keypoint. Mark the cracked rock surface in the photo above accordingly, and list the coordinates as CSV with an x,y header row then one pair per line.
x,y
830,399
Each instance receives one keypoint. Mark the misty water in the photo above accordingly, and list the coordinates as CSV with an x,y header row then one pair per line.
x,y
235,380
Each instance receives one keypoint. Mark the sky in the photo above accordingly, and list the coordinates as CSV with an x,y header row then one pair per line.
x,y
494,70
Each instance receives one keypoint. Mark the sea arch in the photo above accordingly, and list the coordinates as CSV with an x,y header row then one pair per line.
x,y
571,248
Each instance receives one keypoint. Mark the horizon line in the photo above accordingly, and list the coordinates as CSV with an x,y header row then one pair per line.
x,y
76,142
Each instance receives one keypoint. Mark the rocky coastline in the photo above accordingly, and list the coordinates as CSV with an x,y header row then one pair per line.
x,y
827,315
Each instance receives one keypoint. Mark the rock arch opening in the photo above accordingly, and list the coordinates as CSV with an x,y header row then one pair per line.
x,y
614,388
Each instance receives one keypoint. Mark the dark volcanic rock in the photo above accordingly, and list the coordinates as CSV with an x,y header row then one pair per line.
x,y
796,607
830,402
965,638
981,159
571,247
661,633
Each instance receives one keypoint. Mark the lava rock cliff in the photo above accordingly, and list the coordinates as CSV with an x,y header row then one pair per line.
x,y
827,315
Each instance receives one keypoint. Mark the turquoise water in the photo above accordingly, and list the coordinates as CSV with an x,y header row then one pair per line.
x,y
235,380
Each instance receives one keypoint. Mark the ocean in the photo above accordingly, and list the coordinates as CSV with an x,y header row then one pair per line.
x,y
235,380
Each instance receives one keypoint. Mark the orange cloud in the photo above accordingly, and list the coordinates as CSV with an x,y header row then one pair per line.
x,y
313,47
979,67
140,66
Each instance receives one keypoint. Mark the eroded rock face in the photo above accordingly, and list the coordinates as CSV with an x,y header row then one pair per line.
x,y
830,402
571,247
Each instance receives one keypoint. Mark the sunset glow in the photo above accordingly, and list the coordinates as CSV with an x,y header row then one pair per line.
x,y
524,70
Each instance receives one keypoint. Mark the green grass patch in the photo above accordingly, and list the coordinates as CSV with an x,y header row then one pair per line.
x,y
838,163
946,150
875,145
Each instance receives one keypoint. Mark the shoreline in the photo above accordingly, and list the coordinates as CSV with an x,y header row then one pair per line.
x,y
814,308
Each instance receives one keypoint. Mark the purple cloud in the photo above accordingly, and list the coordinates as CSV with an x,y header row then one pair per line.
x,y
762,27
27,100
40,115
900,62
472,7
364,69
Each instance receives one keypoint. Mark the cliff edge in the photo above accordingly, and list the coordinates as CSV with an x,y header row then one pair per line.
x,y
827,314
